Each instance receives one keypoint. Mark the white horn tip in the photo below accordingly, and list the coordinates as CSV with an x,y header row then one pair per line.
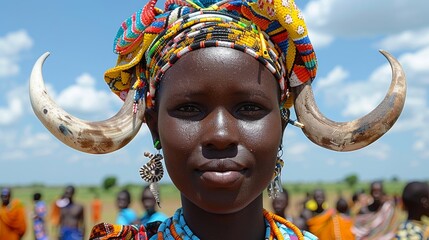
x,y
385,53
45,55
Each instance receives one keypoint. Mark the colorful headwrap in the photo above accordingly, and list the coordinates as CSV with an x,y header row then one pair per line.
x,y
151,41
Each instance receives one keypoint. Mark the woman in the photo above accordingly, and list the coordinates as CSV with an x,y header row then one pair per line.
x,y
214,81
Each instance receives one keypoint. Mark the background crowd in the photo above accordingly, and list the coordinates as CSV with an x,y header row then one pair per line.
x,y
369,214
373,215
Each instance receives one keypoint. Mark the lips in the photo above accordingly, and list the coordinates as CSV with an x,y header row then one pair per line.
x,y
222,173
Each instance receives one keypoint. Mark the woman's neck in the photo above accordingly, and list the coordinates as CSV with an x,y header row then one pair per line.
x,y
247,223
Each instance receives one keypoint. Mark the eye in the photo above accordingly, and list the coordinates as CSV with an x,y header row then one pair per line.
x,y
187,111
250,108
251,111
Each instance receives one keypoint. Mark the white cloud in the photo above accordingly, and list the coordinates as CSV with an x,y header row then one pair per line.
x,y
407,40
416,65
15,42
25,143
334,77
378,150
319,39
36,140
11,112
84,99
11,47
8,67
296,149
421,145
16,100
366,17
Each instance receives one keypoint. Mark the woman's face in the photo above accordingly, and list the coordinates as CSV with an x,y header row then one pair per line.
x,y
220,128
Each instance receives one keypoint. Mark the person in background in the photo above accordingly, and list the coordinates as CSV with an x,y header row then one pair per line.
x,y
379,219
316,205
96,209
126,215
415,199
72,223
55,214
358,201
149,204
12,217
329,223
39,214
280,204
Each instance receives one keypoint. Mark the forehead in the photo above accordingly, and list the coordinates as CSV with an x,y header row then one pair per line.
x,y
216,68
122,195
69,190
376,186
319,193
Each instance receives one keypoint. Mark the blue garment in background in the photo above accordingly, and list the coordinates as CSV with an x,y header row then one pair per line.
x,y
157,216
126,216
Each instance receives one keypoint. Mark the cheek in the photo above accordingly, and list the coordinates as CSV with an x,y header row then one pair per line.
x,y
178,139
264,136
263,139
178,136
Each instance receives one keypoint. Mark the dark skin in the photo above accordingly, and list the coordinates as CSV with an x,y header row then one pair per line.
x,y
377,194
73,214
5,198
319,197
280,203
122,200
220,128
148,201
416,200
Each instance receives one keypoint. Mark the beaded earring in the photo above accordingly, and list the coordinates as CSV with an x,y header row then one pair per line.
x,y
275,187
153,171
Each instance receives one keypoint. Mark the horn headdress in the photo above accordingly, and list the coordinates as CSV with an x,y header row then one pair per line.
x,y
150,41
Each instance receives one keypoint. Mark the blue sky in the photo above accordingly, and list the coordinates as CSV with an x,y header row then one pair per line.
x,y
352,79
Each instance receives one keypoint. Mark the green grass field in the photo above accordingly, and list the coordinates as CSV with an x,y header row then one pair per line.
x,y
170,198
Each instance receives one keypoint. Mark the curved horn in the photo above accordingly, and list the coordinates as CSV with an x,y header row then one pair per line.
x,y
356,134
90,137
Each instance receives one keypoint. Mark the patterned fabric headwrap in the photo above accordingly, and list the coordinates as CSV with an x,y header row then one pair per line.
x,y
151,41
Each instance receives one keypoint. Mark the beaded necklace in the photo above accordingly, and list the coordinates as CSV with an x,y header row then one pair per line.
x,y
175,228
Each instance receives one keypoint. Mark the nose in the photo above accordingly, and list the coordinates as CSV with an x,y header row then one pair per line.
x,y
222,132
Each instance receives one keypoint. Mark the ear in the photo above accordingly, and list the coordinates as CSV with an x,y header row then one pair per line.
x,y
151,117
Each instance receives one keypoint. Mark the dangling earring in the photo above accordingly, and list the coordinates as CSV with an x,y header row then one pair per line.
x,y
275,187
153,171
